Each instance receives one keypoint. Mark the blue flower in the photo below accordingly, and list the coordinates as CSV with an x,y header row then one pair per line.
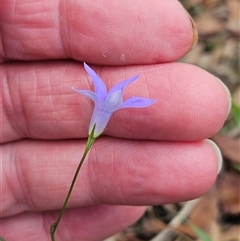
x,y
108,102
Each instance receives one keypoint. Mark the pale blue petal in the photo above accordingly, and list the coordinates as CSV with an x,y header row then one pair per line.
x,y
113,101
100,119
89,94
123,84
137,102
103,112
99,85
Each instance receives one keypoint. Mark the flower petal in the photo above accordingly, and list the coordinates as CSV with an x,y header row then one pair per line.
x,y
99,85
89,94
113,102
123,84
137,102
100,120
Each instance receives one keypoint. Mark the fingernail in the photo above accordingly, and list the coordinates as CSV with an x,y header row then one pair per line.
x,y
195,33
229,98
218,154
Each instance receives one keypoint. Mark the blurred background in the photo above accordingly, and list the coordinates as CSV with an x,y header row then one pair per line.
x,y
216,215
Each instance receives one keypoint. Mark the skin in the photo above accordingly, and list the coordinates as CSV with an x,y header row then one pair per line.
x,y
147,156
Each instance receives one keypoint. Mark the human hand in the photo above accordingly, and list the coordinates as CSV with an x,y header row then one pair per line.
x,y
148,156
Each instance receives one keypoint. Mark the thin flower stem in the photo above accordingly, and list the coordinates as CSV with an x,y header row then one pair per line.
x,y
54,226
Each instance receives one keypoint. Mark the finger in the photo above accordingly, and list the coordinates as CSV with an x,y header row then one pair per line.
x,y
37,175
85,224
96,32
38,102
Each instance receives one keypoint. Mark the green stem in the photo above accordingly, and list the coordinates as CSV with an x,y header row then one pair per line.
x,y
54,226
